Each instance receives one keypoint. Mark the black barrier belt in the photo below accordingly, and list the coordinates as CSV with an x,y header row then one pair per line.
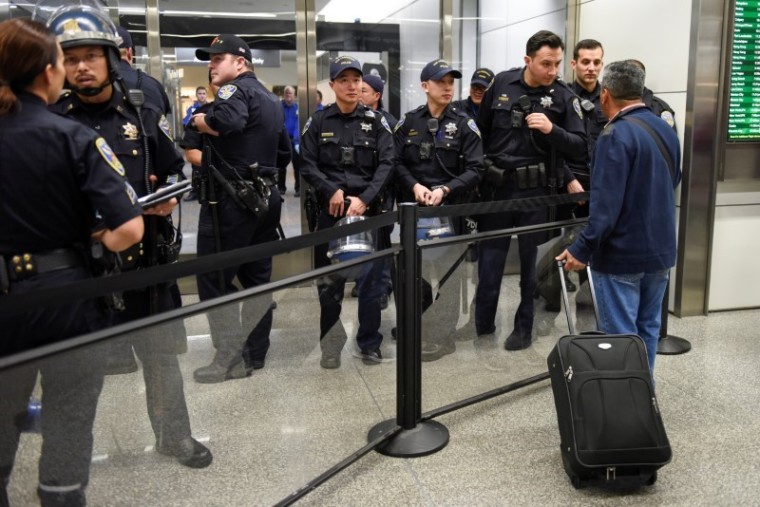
x,y
12,304
185,311
484,208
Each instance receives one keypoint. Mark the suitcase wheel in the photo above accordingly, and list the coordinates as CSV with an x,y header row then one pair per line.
x,y
652,479
575,481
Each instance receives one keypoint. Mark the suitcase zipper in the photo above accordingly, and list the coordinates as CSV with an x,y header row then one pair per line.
x,y
655,406
569,373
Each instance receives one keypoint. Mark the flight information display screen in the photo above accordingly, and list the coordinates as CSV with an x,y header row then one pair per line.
x,y
744,88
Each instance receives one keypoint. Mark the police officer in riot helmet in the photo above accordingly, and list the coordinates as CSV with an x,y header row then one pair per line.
x,y
139,134
439,160
347,157
61,190
240,203
529,124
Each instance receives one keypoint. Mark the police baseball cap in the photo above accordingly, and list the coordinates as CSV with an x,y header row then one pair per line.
x,y
225,43
126,38
482,77
376,82
342,63
436,69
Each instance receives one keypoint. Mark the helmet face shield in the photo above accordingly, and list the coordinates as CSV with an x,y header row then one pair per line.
x,y
82,23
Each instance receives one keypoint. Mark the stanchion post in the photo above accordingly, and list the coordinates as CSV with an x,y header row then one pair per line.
x,y
669,345
417,437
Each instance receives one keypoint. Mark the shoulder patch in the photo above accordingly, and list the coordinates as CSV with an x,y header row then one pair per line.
x,y
577,107
384,123
399,123
163,124
667,116
306,127
226,91
109,156
473,126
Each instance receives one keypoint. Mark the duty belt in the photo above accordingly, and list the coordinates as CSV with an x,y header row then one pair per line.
x,y
25,265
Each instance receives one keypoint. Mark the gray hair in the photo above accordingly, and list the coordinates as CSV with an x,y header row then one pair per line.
x,y
624,80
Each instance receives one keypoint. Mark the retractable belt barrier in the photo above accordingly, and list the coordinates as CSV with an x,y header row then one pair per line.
x,y
12,304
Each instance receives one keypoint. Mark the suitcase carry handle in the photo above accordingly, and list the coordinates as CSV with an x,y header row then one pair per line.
x,y
566,299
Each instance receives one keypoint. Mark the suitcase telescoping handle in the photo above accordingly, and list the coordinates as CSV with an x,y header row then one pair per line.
x,y
566,299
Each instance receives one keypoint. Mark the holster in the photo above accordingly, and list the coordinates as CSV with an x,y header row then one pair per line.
x,y
312,208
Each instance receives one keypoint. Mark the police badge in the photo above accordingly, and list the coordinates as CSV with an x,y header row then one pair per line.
x,y
130,131
546,102
451,129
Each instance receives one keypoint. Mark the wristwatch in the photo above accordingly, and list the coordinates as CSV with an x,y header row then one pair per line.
x,y
446,190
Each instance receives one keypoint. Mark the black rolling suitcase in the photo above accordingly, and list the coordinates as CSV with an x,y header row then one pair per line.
x,y
610,427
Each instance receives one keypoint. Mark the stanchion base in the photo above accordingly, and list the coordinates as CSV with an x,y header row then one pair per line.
x,y
672,345
426,438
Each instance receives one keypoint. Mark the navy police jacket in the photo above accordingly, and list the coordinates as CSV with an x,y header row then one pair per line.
x,y
451,156
510,147
56,175
249,120
351,152
118,123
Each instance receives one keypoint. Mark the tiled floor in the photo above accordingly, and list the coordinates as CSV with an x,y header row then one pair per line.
x,y
289,422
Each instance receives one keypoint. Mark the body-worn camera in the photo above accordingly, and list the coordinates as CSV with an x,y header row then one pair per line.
x,y
517,118
426,151
346,155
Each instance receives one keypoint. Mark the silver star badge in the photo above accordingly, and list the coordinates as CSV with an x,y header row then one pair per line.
x,y
451,128
366,127
546,102
130,131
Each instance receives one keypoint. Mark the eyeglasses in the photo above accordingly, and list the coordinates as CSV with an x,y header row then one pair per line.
x,y
89,59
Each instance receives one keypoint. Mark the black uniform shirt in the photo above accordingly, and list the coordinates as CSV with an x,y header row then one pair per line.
x,y
659,107
327,133
510,147
117,121
467,106
249,120
456,145
595,122
47,163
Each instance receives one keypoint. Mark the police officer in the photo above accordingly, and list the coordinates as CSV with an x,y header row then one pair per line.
x,y
140,136
529,124
372,97
241,128
480,81
439,161
136,78
56,178
655,103
347,156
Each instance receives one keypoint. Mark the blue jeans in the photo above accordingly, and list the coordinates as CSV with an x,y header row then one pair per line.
x,y
632,304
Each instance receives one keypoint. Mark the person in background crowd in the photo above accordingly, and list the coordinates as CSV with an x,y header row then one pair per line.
x,y
658,106
630,239
201,99
480,81
290,110
44,242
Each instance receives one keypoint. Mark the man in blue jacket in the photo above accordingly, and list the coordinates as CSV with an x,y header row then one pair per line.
x,y
630,239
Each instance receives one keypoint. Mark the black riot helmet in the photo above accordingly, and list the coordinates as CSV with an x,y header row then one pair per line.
x,y
82,23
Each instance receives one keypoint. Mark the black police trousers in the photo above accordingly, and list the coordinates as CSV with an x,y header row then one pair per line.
x,y
157,349
492,256
239,228
71,383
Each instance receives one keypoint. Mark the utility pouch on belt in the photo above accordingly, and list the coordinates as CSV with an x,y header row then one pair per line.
x,y
521,174
542,176
496,176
